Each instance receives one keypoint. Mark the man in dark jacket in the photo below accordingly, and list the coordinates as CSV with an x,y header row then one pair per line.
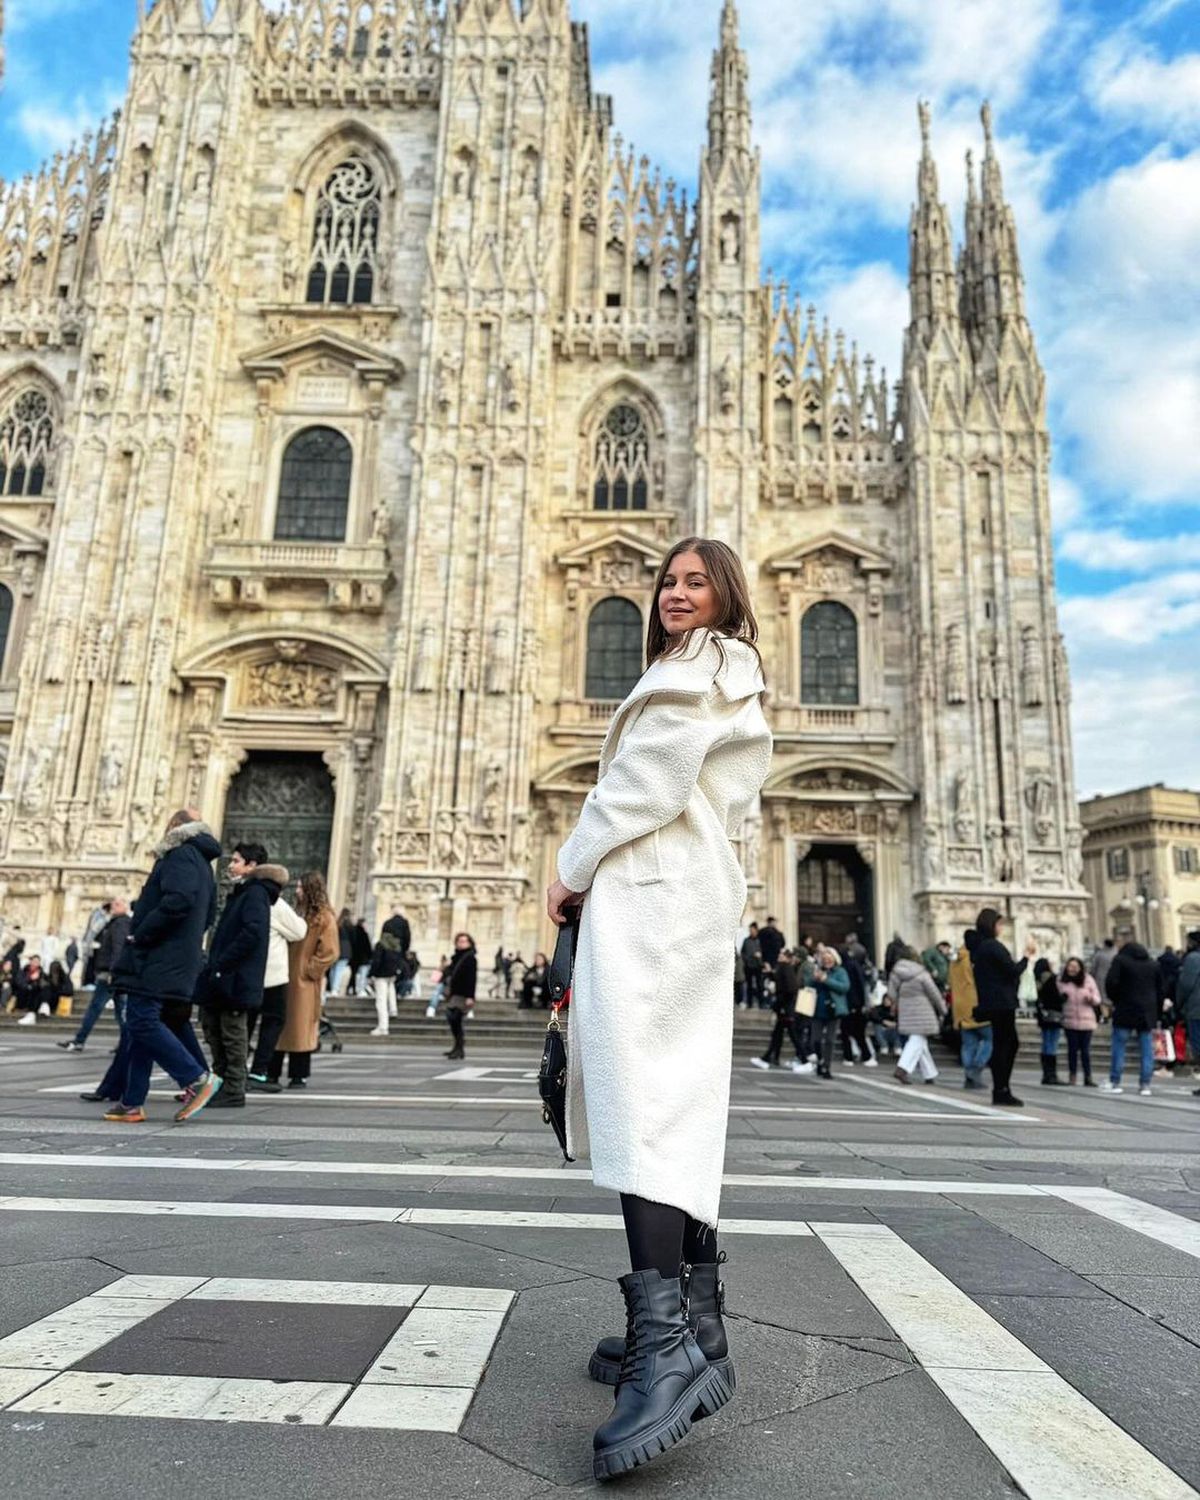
x,y
108,948
787,991
1135,987
997,975
752,959
232,985
160,963
1187,997
772,943
388,965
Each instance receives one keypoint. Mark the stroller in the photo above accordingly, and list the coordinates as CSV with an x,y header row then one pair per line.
x,y
328,1032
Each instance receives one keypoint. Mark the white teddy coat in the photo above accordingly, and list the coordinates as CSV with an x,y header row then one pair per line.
x,y
651,1021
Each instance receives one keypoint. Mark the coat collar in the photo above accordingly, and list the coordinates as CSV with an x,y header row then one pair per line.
x,y
707,661
181,835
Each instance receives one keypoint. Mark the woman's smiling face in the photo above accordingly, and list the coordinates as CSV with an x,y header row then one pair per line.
x,y
687,600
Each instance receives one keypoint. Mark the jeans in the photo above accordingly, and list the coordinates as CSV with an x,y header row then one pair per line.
x,y
225,1033
1193,1034
885,1038
270,1027
112,1085
151,1041
976,1050
1120,1039
1005,1043
100,998
338,975
916,1059
1050,1040
1079,1049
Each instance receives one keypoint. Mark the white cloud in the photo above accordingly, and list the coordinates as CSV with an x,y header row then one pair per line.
x,y
1136,721
871,307
49,128
1146,89
1066,500
1111,550
1139,613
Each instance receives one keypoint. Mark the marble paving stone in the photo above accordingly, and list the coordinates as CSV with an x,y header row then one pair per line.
x,y
1056,1445
164,1287
341,1293
301,1403
438,1347
252,1340
75,1332
467,1298
412,1407
17,1383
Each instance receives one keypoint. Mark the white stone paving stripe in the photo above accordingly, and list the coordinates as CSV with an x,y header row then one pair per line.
x,y
1176,1230
54,1342
17,1383
412,1408
438,1347
341,1293
940,1096
1050,1438
197,1397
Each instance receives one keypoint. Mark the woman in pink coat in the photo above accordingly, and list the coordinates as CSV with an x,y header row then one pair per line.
x,y
1081,1006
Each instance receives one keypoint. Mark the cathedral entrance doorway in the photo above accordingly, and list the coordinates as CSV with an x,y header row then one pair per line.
x,y
284,801
836,895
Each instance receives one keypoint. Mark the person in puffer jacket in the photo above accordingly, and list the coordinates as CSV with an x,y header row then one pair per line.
x,y
921,1008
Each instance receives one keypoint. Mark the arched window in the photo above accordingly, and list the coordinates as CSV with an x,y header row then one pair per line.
x,y
344,262
6,612
314,488
621,477
614,650
26,443
829,655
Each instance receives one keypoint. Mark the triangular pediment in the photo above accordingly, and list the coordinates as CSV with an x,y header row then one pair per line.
x,y
273,361
612,543
866,558
19,536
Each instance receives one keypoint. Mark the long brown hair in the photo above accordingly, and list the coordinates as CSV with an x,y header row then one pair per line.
x,y
314,898
735,611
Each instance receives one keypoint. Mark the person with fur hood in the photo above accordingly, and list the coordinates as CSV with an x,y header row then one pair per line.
x,y
651,1031
232,987
920,1008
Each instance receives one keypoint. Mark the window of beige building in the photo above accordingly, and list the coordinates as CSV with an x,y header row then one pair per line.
x,y
1118,864
829,655
26,443
1187,859
621,479
314,487
344,260
614,650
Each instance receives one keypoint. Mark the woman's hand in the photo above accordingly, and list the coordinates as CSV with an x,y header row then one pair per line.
x,y
558,897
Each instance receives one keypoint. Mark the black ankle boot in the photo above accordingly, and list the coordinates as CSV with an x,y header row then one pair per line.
x,y
706,1304
664,1379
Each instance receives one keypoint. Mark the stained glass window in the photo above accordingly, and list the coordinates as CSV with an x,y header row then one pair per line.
x,y
344,262
622,466
26,443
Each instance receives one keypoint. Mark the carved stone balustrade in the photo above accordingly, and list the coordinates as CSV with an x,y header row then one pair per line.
x,y
795,724
314,575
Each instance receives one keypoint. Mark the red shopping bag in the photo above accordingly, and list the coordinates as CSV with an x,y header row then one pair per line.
x,y
1164,1046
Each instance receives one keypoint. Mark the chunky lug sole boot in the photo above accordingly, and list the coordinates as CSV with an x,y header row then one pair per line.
x,y
706,1304
665,1379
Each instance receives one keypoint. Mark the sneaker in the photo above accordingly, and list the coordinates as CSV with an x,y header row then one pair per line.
x,y
972,1083
1109,1087
377,1032
226,1101
297,1083
202,1091
43,1009
120,1115
902,1075
760,1062
261,1084
871,1062
28,1019
803,1069
70,1046
1145,1092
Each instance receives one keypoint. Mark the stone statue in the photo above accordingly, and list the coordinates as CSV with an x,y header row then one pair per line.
x,y
416,790
111,778
446,378
989,690
37,779
1031,668
58,650
492,798
1003,674
934,862
424,673
752,847
460,844
731,241
727,377
522,838
500,659
964,809
1062,672
512,387
956,666
925,683
231,517
162,780
444,840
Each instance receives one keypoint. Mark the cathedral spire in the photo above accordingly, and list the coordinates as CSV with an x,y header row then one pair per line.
x,y
993,283
931,280
729,105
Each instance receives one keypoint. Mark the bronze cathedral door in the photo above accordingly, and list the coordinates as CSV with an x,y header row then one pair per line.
x,y
284,801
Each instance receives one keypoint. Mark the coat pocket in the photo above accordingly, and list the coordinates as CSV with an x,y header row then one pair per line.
x,y
646,859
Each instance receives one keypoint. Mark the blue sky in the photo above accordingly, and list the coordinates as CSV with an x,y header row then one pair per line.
x,y
1098,117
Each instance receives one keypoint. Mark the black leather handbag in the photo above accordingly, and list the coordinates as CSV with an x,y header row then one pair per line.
x,y
552,1075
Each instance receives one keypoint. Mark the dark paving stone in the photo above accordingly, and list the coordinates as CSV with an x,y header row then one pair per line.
x,y
44,1287
1172,1301
1141,1375
252,1340
1092,1246
980,1257
396,1193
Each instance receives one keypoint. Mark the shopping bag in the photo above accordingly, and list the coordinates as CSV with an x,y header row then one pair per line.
x,y
806,1001
63,1007
1164,1046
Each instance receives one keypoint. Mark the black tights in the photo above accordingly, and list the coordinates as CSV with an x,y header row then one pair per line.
x,y
662,1238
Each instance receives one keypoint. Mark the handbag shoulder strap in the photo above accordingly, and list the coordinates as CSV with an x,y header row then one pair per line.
x,y
562,965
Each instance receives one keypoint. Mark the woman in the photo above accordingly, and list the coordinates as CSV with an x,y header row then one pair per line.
x,y
1049,1018
833,1005
1081,1006
459,982
533,986
59,987
309,961
287,927
31,992
920,1008
339,979
997,975
651,1023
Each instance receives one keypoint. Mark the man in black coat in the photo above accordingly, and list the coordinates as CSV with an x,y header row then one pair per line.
x,y
997,975
232,985
772,942
160,963
107,951
1135,987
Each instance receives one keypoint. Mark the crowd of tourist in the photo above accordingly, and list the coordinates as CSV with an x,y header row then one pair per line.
x,y
970,998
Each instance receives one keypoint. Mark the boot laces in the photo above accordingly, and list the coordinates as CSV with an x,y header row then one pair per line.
x,y
636,1353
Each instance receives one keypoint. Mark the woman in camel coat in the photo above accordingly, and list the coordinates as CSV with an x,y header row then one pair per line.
x,y
309,961
651,1026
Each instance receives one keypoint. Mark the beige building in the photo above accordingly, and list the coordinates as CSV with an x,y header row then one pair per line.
x,y
351,387
1141,864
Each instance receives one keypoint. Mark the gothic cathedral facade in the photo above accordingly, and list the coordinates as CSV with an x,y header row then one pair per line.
x,y
353,383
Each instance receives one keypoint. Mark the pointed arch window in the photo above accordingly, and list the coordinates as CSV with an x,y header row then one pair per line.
x,y
6,614
829,655
26,443
614,650
314,487
343,264
622,464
